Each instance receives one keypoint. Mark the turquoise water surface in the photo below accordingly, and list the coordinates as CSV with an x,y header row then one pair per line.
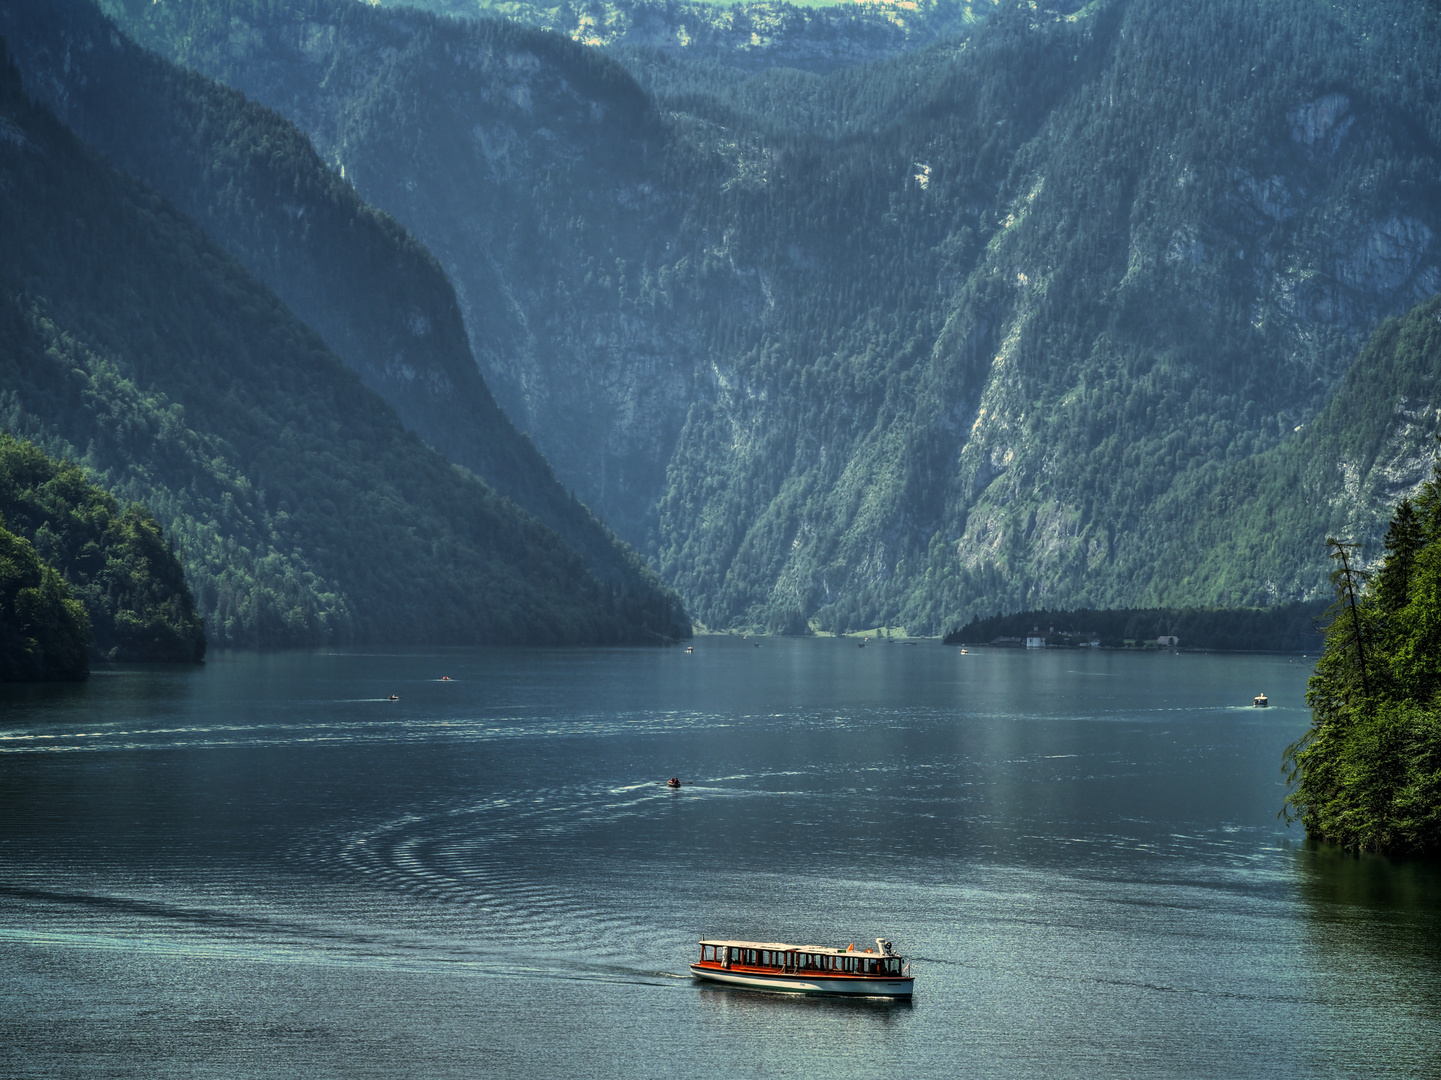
x,y
262,868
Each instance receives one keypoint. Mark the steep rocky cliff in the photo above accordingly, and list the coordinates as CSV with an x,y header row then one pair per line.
x,y
976,326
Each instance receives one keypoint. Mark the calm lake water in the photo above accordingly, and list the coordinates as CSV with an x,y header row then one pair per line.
x,y
264,869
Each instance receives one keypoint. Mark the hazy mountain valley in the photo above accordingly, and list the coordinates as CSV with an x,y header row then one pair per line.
x,y
304,510
840,316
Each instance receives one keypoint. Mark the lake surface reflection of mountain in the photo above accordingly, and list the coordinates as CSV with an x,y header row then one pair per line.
x,y
265,868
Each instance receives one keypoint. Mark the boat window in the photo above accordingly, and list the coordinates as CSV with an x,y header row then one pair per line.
x,y
766,957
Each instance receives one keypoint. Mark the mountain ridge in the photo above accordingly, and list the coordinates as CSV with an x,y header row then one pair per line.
x,y
969,328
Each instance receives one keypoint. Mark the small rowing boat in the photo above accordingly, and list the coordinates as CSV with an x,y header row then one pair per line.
x,y
805,969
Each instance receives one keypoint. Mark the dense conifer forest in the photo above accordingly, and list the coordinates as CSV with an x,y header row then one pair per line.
x,y
1003,322
302,510
44,634
115,561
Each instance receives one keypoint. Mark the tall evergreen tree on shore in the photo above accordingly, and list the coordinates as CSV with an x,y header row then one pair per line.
x,y
1367,775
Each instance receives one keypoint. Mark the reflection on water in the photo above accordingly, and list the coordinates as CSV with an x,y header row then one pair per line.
x,y
1395,890
722,999
267,867
1376,919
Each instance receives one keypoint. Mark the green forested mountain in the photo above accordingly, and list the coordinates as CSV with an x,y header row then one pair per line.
x,y
303,511
115,561
379,300
986,325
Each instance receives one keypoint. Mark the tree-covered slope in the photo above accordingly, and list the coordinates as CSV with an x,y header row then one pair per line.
x,y
44,634
1254,529
251,179
303,510
971,328
1367,774
115,560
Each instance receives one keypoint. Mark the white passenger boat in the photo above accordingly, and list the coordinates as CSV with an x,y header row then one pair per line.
x,y
806,969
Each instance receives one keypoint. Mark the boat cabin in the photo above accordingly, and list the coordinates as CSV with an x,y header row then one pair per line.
x,y
821,960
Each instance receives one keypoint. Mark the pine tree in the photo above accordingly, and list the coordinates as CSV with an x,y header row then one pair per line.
x,y
1403,543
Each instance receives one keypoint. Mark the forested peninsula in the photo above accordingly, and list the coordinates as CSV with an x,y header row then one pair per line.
x,y
1285,628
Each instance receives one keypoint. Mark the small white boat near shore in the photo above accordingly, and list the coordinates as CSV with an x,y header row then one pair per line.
x,y
806,969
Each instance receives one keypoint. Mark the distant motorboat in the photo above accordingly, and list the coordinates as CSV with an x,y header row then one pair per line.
x,y
1260,701
674,781
690,648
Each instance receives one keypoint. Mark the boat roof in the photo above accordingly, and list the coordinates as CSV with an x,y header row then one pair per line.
x,y
779,946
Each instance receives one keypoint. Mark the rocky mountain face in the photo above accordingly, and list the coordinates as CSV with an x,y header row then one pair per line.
x,y
1258,528
983,325
747,36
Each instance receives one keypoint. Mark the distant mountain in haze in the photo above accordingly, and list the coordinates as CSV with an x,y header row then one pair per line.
x,y
986,324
